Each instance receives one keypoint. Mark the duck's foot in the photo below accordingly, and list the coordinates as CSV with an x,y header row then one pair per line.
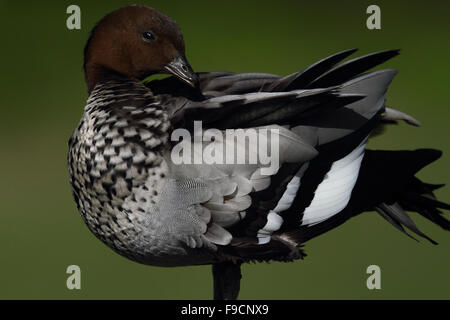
x,y
227,280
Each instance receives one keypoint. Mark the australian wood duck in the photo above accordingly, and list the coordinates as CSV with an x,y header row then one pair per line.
x,y
152,208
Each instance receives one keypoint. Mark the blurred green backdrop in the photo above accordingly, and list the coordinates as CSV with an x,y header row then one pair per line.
x,y
43,94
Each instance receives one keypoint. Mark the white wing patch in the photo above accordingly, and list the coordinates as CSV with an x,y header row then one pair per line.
x,y
274,220
331,196
334,192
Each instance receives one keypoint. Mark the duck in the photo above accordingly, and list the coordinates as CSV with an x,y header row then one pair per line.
x,y
150,208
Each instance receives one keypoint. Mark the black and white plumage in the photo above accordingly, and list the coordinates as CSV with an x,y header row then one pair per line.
x,y
136,200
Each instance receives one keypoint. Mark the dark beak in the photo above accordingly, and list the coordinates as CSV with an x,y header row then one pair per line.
x,y
180,68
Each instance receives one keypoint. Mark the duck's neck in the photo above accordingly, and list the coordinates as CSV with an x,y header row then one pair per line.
x,y
97,74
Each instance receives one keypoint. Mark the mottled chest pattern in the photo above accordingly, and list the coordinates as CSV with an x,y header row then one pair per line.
x,y
116,163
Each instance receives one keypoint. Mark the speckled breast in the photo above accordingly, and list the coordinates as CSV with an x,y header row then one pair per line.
x,y
116,163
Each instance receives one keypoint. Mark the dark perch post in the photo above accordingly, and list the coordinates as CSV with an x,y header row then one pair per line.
x,y
227,280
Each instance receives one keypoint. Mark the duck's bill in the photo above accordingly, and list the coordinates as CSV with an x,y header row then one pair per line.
x,y
183,71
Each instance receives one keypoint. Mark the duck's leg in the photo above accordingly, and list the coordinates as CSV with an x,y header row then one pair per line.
x,y
227,280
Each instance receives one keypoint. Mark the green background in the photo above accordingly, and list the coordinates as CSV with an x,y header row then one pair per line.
x,y
43,94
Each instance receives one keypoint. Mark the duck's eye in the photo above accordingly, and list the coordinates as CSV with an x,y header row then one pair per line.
x,y
148,36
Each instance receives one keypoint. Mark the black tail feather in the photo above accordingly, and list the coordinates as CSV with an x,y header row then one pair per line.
x,y
302,78
414,195
426,207
387,184
395,215
392,220
352,68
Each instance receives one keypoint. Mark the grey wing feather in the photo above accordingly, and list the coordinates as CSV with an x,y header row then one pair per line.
x,y
392,114
181,217
217,195
225,83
